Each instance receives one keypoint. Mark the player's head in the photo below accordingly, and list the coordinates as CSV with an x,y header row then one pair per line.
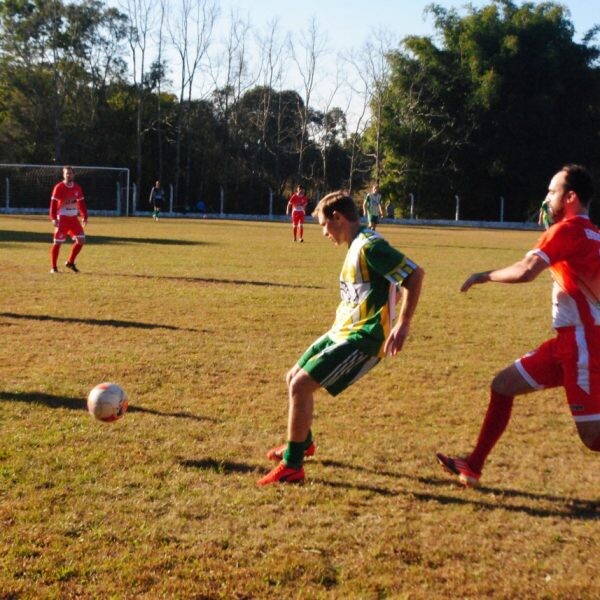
x,y
569,192
578,179
339,202
375,188
300,188
68,173
157,184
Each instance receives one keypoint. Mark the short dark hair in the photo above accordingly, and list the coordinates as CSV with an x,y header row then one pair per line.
x,y
579,180
337,201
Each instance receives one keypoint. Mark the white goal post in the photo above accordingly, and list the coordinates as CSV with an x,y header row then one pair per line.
x,y
27,188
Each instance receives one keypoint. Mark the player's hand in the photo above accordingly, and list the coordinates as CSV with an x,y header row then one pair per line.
x,y
84,223
396,339
55,222
476,278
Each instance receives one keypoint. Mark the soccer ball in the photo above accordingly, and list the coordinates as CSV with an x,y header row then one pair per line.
x,y
107,402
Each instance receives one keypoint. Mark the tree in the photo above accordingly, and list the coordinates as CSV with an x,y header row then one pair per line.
x,y
506,97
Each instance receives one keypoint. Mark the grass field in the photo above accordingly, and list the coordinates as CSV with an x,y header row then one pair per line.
x,y
199,321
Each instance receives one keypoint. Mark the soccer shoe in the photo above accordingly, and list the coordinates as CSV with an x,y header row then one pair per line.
x,y
72,267
277,452
283,474
460,468
53,270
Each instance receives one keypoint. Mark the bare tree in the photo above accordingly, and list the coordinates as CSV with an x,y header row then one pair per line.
x,y
141,14
306,53
190,29
272,64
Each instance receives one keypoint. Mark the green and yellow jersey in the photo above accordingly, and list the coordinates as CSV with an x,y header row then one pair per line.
x,y
371,272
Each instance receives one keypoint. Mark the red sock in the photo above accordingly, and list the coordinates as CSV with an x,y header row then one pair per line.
x,y
54,250
75,250
495,422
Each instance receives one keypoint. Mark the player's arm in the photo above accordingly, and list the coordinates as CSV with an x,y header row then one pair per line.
x,y
522,271
410,291
82,207
54,211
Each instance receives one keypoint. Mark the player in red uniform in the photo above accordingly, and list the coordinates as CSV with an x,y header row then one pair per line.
x,y
66,204
571,250
297,205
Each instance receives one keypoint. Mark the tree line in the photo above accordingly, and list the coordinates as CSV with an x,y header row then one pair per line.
x,y
487,107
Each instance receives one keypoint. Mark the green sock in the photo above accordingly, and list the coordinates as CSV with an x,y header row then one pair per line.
x,y
294,454
309,440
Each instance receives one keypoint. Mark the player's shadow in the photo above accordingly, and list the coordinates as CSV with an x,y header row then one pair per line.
x,y
27,237
73,403
222,467
100,322
564,507
214,280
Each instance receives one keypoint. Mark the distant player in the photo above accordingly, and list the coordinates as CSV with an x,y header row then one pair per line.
x,y
374,277
157,196
571,250
372,207
66,204
297,205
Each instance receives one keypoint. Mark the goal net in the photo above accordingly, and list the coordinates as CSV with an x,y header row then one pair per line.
x,y
27,188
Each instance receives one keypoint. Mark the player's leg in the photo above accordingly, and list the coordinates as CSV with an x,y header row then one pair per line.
x,y
580,356
534,371
320,366
60,235
301,227
76,231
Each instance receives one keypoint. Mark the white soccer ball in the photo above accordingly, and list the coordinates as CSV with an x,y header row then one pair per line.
x,y
107,402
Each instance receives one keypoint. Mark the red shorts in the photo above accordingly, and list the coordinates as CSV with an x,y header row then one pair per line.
x,y
297,217
68,226
571,359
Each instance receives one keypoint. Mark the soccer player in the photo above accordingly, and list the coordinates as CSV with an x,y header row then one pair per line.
x,y
372,207
157,195
66,203
571,250
297,205
374,278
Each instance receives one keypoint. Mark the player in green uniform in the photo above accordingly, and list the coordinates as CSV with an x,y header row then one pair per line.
x,y
374,278
372,207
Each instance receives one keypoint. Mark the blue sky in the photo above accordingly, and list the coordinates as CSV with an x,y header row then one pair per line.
x,y
348,22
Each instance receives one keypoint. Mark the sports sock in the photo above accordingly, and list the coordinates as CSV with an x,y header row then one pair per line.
x,y
75,250
309,440
294,454
54,250
493,426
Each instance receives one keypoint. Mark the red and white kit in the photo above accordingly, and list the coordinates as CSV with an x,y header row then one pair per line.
x,y
66,203
572,359
298,204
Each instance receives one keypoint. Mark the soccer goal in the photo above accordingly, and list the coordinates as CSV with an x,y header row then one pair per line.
x,y
27,188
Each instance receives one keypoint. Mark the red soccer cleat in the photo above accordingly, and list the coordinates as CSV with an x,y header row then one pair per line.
x,y
283,474
460,468
277,452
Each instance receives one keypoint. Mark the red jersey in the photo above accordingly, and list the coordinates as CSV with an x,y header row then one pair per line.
x,y
298,203
68,201
572,249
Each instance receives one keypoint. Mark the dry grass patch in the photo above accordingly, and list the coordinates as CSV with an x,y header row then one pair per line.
x,y
199,321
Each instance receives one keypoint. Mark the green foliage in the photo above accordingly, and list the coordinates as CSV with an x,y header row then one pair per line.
x,y
504,98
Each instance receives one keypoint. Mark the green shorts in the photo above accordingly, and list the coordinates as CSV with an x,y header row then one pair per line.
x,y
373,220
336,365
